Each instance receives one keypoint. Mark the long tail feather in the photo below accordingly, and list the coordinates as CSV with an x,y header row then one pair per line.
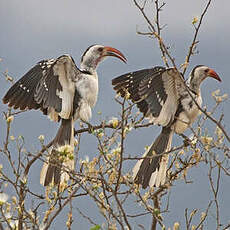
x,y
56,168
151,170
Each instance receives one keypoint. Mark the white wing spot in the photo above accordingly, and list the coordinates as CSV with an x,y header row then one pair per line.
x,y
149,83
159,99
46,88
50,62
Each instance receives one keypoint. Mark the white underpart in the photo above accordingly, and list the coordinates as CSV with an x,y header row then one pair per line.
x,y
87,87
187,118
84,111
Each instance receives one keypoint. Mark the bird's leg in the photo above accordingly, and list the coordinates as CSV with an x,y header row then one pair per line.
x,y
187,141
90,127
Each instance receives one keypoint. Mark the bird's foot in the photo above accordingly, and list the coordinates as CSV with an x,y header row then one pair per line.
x,y
90,127
187,141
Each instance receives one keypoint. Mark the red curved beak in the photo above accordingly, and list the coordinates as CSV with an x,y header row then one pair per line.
x,y
213,74
110,51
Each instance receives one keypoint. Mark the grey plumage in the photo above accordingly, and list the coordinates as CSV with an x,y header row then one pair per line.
x,y
50,86
163,98
45,93
39,86
63,92
136,83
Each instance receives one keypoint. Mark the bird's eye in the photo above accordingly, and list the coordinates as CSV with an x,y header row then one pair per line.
x,y
100,49
206,71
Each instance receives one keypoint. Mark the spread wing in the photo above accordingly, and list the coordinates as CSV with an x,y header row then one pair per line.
x,y
49,85
156,92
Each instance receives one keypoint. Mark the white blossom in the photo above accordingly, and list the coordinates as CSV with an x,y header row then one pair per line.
x,y
3,198
114,122
193,139
14,224
41,138
10,119
65,149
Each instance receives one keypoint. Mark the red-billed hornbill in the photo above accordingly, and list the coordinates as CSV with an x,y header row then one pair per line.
x,y
63,92
162,96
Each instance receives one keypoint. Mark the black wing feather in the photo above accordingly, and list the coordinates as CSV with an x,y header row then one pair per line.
x,y
152,89
46,89
53,100
76,100
40,87
145,88
20,95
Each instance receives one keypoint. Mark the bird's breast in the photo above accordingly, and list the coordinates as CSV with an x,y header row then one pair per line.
x,y
88,89
188,114
192,108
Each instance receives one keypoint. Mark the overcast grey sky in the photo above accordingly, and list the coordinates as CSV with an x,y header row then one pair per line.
x,y
33,30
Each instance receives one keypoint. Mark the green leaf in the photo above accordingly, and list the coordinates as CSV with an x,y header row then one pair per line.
x,y
96,227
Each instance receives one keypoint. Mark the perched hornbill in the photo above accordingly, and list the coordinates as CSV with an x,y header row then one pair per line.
x,y
63,92
165,99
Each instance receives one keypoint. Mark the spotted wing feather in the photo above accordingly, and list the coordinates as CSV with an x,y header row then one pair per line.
x,y
57,87
137,84
49,85
155,91
20,95
45,93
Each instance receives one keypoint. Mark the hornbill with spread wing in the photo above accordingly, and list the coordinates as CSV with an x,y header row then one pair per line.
x,y
165,99
63,92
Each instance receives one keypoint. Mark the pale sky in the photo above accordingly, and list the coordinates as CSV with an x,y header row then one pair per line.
x,y
36,30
